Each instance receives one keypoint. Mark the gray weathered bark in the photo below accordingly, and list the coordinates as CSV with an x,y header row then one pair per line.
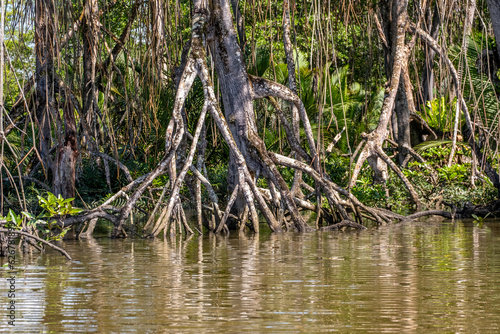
x,y
403,119
158,34
292,84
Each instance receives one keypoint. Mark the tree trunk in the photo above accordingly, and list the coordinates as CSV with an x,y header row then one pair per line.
x,y
471,8
403,119
398,63
90,30
44,75
158,35
494,9
401,128
426,91
240,24
292,84
64,171
235,89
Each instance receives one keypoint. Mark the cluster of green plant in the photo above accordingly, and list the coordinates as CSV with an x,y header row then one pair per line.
x,y
369,193
217,174
479,221
337,167
52,207
435,182
448,184
438,113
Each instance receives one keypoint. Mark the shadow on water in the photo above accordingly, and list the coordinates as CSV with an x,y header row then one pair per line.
x,y
407,278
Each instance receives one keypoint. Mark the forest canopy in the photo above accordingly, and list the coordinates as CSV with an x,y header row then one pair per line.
x,y
181,116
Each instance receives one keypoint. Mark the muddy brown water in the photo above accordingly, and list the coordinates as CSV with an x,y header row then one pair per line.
x,y
426,277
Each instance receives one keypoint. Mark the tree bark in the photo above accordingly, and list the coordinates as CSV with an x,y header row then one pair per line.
x,y
395,56
292,84
402,112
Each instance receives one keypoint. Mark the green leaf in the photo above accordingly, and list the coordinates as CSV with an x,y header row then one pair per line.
x,y
115,90
28,215
74,211
17,220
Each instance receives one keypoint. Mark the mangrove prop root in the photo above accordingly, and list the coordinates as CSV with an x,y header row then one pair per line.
x,y
253,159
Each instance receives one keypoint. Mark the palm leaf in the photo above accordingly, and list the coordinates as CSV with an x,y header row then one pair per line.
x,y
436,143
479,92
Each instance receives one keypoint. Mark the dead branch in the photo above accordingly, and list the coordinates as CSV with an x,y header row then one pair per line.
x,y
45,242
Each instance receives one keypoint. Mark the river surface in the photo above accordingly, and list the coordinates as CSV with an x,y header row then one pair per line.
x,y
426,277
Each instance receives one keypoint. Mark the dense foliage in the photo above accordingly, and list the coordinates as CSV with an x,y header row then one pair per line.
x,y
341,76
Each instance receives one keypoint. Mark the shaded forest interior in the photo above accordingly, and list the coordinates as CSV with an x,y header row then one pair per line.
x,y
176,116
